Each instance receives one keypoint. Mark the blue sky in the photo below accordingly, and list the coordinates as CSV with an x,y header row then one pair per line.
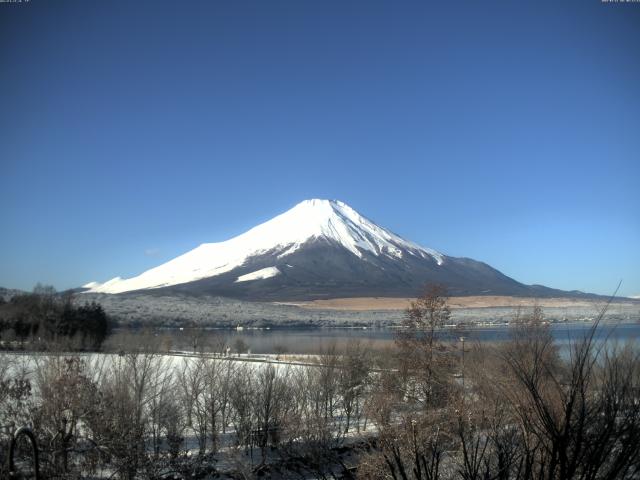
x,y
508,132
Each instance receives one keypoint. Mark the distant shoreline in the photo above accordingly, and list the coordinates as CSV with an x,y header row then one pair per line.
x,y
473,301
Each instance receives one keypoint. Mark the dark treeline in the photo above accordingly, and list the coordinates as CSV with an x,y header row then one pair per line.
x,y
426,409
44,318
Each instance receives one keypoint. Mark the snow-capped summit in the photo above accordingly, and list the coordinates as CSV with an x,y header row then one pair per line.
x,y
332,220
317,249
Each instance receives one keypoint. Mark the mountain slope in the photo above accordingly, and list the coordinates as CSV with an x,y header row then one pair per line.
x,y
318,249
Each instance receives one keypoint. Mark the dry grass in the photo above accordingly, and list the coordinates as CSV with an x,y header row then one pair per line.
x,y
384,303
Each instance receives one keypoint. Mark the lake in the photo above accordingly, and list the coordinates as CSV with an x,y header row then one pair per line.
x,y
312,340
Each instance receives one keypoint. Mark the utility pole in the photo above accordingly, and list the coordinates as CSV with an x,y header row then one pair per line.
x,y
462,369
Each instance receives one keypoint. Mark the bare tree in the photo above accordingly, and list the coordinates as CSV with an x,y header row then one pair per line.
x,y
227,372
584,417
241,399
272,403
116,425
68,398
423,359
415,447
352,383
193,384
216,378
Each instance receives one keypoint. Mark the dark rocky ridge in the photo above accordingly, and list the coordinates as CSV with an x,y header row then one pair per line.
x,y
323,269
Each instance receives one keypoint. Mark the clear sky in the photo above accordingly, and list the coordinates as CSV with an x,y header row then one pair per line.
x,y
133,131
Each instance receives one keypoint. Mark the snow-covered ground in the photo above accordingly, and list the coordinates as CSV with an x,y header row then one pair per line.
x,y
229,455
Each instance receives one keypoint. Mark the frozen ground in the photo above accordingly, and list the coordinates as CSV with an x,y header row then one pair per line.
x,y
176,310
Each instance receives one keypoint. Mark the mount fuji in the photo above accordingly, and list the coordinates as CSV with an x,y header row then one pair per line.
x,y
318,249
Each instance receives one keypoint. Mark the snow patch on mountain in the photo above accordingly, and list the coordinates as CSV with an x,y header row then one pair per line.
x,y
259,274
311,219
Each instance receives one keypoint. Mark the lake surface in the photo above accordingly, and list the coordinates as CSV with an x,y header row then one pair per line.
x,y
312,340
